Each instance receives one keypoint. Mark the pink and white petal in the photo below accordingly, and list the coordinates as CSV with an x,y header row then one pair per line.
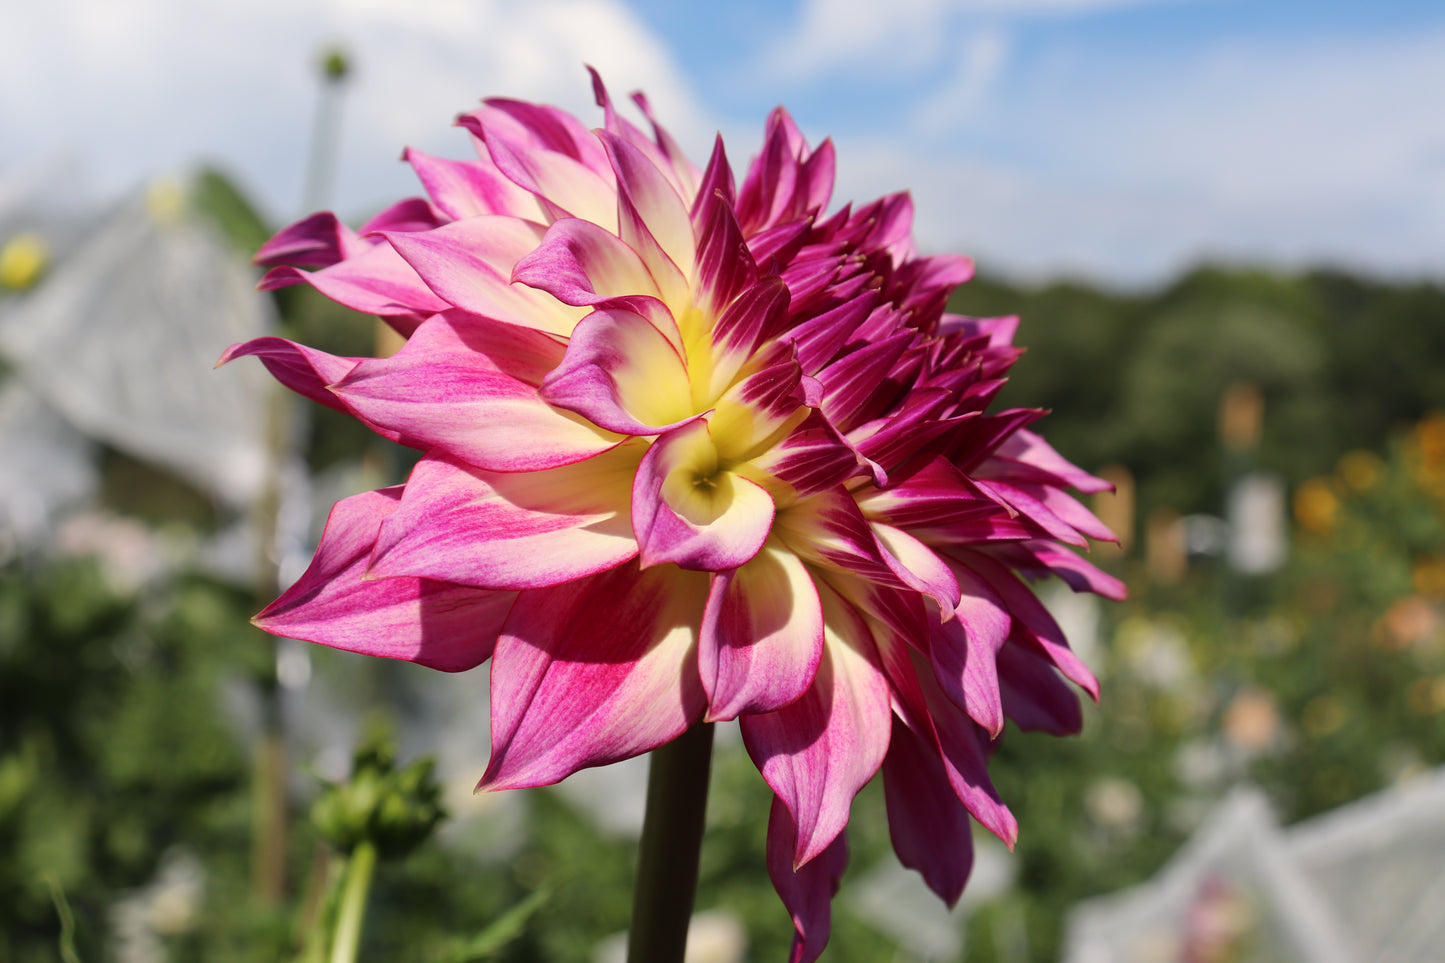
x,y
376,281
581,264
807,891
817,752
762,635
758,313
468,188
724,267
437,624
304,370
594,671
661,212
918,566
565,185
469,263
927,823
445,388
688,511
510,530
624,371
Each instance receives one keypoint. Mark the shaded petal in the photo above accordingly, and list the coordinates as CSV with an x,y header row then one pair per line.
x,y
1035,696
965,650
817,752
962,746
437,624
510,530
594,671
319,240
762,635
807,891
927,823
687,511
450,387
1032,622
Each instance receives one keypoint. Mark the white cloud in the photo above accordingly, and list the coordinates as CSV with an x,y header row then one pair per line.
x,y
869,38
967,89
1327,152
147,86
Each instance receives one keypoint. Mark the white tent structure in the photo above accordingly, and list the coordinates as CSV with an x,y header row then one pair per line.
x,y
1362,884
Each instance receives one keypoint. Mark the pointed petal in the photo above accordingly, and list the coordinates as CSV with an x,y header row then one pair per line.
x,y
817,752
927,823
661,215
550,154
463,384
304,370
1032,622
1027,457
436,624
961,744
762,635
594,671
510,530
807,891
917,565
319,240
468,188
376,281
1035,696
687,511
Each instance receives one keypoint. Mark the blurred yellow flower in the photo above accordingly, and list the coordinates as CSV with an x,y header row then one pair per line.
x,y
1428,577
23,260
1316,506
1360,469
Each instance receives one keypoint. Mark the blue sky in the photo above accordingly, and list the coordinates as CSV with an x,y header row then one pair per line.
x,y
1117,140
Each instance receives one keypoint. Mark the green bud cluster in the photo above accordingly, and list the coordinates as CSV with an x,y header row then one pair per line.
x,y
394,809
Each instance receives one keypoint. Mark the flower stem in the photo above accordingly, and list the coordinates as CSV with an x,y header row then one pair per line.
x,y
359,868
667,857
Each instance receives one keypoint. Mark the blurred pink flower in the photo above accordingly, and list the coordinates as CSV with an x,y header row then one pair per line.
x,y
695,451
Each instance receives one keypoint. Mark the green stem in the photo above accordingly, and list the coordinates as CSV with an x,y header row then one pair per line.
x,y
667,857
359,868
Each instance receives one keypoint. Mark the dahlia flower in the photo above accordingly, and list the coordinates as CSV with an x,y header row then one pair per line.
x,y
695,450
